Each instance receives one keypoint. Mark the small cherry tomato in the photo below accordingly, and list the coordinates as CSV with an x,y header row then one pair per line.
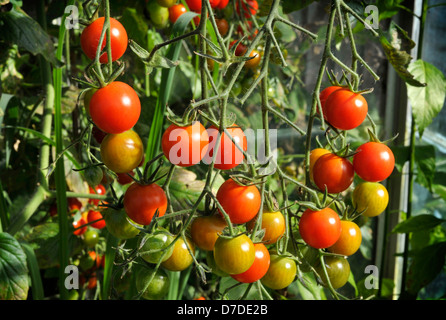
x,y
373,161
176,11
96,216
315,154
222,4
249,8
333,173
142,201
320,229
180,258
222,26
281,272
159,15
273,224
370,198
323,95
241,203
234,255
258,268
154,246
255,61
99,190
91,36
91,238
204,231
80,227
338,270
117,224
349,241
345,110
151,284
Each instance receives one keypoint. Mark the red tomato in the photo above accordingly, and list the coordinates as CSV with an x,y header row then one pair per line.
x,y
194,5
222,4
373,161
241,48
315,154
258,268
249,8
345,110
320,229
324,95
204,231
91,36
241,203
222,26
228,155
94,215
115,108
124,178
185,146
255,61
176,11
142,201
333,172
99,189
80,227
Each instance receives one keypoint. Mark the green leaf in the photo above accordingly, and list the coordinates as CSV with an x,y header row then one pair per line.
x,y
402,154
19,28
14,284
293,5
397,45
426,265
417,223
425,160
439,185
429,100
135,25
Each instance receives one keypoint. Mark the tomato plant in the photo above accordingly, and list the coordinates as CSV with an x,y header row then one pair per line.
x,y
110,103
91,36
141,202
241,203
320,229
373,161
234,255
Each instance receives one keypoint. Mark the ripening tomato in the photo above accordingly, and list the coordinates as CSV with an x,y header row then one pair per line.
x,y
338,270
370,198
180,258
98,219
158,286
258,268
249,8
234,255
91,36
333,173
240,49
345,110
320,229
228,154
204,231
99,190
166,3
141,201
315,154
349,241
222,26
155,244
323,95
373,161
281,272
255,61
176,11
115,108
117,224
122,152
241,203
91,238
185,146
273,224
80,227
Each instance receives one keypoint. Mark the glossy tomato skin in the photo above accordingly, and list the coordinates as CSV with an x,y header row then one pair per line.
x,y
176,11
100,190
222,26
255,61
115,108
323,95
281,272
204,231
315,154
96,216
249,8
122,152
349,241
180,258
333,173
142,201
320,229
258,268
240,49
370,198
373,161
273,224
158,240
222,4
234,255
228,155
159,15
91,36
91,238
241,203
345,110
80,227
157,288
117,224
185,146
194,5
338,270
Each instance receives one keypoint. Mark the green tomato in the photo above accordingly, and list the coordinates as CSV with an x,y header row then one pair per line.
x,y
91,238
93,175
152,288
154,244
338,270
117,224
158,15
